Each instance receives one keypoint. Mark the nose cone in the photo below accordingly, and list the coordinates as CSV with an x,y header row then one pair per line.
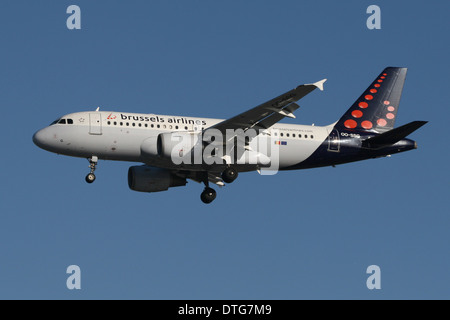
x,y
40,138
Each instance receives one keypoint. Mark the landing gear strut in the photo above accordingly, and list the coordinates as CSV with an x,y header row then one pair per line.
x,y
209,194
92,165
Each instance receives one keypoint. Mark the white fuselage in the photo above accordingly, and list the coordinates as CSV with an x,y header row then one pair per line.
x,y
119,136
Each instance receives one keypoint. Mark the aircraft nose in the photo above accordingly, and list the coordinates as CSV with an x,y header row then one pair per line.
x,y
39,138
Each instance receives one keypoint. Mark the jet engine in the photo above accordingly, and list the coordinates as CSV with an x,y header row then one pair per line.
x,y
151,179
179,145
149,147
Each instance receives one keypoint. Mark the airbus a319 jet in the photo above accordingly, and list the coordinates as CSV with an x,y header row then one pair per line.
x,y
172,149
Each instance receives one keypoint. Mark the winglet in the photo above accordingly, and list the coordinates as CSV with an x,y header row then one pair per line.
x,y
319,84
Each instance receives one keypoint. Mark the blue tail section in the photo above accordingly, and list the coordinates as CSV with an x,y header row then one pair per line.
x,y
376,109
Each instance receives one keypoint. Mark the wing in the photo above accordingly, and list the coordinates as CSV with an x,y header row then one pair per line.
x,y
259,118
267,114
199,176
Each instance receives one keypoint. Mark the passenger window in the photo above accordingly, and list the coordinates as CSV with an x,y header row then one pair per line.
x,y
134,124
128,124
146,125
176,127
293,135
281,134
185,128
306,136
121,123
312,137
109,122
287,134
158,126
140,125
115,123
153,125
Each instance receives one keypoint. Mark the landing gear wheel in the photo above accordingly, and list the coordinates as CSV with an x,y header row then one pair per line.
x,y
208,195
90,178
229,175
92,165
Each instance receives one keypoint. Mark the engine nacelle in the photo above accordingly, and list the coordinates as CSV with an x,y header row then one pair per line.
x,y
151,179
149,147
176,144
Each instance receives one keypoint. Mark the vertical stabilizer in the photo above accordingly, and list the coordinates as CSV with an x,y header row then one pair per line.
x,y
376,109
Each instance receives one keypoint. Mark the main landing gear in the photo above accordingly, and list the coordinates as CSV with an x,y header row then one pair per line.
x,y
209,194
92,165
229,175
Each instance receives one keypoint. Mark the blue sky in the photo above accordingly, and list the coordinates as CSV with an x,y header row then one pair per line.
x,y
307,234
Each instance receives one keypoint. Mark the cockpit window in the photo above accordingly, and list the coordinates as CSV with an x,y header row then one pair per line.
x,y
62,121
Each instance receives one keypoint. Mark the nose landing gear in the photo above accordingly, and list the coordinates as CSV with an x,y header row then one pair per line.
x,y
92,165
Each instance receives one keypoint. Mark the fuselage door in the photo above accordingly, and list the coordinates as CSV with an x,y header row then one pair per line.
x,y
334,143
95,123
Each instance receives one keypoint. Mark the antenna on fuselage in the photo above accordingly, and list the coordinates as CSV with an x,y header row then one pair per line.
x,y
98,108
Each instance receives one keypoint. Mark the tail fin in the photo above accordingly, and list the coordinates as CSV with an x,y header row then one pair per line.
x,y
376,109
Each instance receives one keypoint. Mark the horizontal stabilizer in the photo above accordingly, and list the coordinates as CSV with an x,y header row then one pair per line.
x,y
393,136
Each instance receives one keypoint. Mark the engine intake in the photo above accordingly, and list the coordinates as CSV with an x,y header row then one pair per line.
x,y
150,179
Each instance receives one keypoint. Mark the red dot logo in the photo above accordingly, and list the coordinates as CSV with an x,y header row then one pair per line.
x,y
357,113
367,124
390,116
373,90
391,108
381,122
376,85
368,97
350,124
363,104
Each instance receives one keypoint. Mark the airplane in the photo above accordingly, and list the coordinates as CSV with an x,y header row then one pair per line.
x,y
365,131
